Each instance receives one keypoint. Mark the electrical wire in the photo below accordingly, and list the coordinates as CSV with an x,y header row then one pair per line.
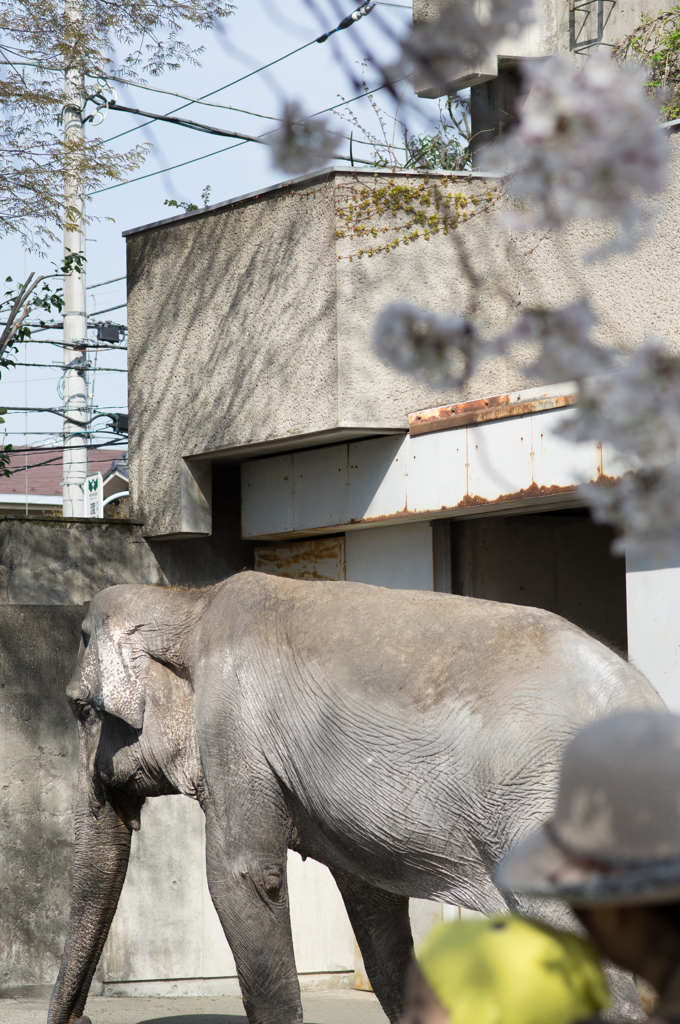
x,y
58,458
60,369
221,88
226,149
351,19
114,280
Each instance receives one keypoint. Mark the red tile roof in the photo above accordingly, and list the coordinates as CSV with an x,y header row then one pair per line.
x,y
46,479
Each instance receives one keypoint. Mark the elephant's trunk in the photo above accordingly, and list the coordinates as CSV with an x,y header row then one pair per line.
x,y
102,853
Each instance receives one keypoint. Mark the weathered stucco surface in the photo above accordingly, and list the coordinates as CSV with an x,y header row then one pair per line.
x,y
52,561
38,765
48,570
251,329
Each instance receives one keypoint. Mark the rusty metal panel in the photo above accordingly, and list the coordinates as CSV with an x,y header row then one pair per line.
x,y
267,496
481,410
317,559
320,488
377,478
519,462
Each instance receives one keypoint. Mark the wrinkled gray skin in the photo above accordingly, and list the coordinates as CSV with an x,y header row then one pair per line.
x,y
405,739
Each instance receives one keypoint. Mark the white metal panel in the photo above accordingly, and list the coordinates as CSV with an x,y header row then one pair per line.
x,y
267,496
499,458
398,556
320,488
513,463
653,600
377,477
437,470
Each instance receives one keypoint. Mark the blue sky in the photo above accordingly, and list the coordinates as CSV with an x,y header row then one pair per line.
x,y
258,32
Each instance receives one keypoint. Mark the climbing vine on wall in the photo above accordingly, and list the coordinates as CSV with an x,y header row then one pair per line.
x,y
390,213
655,44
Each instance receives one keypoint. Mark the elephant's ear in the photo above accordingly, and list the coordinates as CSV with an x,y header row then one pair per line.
x,y
121,688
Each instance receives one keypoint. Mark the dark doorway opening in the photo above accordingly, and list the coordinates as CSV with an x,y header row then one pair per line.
x,y
559,561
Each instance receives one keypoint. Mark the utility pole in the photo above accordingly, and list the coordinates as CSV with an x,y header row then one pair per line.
x,y
75,301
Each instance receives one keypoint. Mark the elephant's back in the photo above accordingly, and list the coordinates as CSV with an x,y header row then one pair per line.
x,y
428,653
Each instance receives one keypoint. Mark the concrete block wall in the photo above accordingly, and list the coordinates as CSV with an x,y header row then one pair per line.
x,y
49,570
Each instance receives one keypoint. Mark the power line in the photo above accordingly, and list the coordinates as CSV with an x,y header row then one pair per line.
x,y
101,284
185,123
191,99
49,462
221,89
347,22
226,149
109,309
59,367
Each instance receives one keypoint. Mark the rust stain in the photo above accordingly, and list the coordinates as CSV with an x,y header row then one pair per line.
x,y
498,407
314,559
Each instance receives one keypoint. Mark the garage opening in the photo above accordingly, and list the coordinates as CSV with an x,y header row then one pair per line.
x,y
560,561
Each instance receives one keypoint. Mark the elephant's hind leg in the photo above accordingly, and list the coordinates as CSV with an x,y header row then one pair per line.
x,y
382,928
246,869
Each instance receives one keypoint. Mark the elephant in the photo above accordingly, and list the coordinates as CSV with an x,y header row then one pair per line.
x,y
405,739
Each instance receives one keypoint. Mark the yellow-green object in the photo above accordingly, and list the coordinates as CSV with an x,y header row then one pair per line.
x,y
505,970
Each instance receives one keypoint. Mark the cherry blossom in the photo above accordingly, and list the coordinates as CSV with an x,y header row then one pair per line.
x,y
562,338
586,144
444,349
302,143
464,34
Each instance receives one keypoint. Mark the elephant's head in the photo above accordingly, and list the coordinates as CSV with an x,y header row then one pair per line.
x,y
132,696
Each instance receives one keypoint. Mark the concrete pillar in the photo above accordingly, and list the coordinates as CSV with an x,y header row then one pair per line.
x,y
493,109
653,603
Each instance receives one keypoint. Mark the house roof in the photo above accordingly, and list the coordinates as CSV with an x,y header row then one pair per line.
x,y
45,470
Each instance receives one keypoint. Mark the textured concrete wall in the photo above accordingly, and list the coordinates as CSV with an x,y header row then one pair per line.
x,y
251,329
559,27
48,570
58,562
38,765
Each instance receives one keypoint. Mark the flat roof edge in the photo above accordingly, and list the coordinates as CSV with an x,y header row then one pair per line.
x,y
312,176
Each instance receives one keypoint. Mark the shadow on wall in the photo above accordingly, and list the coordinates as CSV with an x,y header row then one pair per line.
x,y
559,561
39,758
202,561
190,276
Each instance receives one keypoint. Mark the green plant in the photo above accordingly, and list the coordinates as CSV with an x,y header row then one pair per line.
x,y
190,207
399,212
41,41
655,45
447,148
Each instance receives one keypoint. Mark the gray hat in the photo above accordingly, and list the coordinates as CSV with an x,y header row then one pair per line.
x,y
615,836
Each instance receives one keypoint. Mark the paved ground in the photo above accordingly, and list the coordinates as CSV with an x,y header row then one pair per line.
x,y
335,1007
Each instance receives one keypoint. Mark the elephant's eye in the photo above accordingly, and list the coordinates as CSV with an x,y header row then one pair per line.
x,y
85,637
85,711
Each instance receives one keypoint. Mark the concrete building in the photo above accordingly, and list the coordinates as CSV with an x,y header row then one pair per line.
x,y
577,29
265,433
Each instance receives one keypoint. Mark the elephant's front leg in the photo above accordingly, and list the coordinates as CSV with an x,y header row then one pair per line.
x,y
246,868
